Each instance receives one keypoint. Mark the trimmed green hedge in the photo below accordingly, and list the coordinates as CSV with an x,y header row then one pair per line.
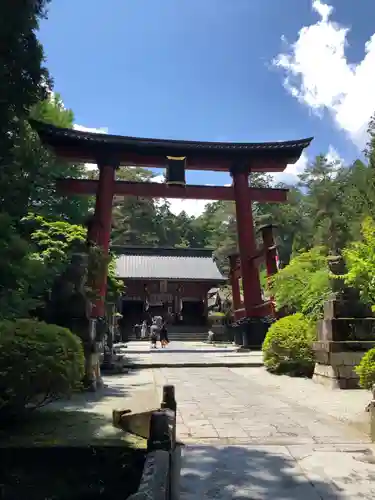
x,y
366,370
287,347
39,363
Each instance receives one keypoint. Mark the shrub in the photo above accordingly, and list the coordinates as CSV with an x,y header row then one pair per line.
x,y
366,370
38,364
303,285
287,347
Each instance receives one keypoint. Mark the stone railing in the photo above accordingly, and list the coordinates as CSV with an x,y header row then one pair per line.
x,y
160,477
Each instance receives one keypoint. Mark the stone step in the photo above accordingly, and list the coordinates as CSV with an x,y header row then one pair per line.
x,y
181,337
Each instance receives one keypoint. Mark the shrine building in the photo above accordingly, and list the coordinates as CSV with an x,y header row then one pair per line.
x,y
173,282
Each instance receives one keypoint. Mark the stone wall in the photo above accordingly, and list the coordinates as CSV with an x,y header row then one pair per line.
x,y
345,334
336,369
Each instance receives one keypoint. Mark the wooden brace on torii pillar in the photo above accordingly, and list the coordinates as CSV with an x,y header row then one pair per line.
x,y
267,254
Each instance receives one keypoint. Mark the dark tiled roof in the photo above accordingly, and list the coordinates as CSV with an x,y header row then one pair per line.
x,y
138,265
52,135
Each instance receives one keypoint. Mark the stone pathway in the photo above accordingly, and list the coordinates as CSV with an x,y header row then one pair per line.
x,y
252,435
247,439
221,406
191,354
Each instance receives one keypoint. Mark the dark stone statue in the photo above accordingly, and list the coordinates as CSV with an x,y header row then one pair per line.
x,y
70,307
345,300
340,290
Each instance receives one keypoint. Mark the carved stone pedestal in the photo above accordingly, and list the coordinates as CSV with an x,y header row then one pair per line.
x,y
342,342
249,333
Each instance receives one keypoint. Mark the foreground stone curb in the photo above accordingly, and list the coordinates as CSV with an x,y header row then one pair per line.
x,y
155,477
161,471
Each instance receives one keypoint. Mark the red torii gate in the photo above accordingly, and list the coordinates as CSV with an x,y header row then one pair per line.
x,y
110,152
267,254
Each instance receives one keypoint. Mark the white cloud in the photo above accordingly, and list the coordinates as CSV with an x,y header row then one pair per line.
x,y
333,155
322,9
319,75
290,174
102,130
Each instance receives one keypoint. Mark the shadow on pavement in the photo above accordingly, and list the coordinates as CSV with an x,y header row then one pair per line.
x,y
243,473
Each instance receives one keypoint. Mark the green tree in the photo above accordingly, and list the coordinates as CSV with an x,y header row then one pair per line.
x,y
326,203
294,230
44,168
370,148
360,261
24,82
219,227
134,218
303,285
55,242
18,272
359,192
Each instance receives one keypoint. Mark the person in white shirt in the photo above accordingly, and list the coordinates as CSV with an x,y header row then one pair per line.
x,y
144,329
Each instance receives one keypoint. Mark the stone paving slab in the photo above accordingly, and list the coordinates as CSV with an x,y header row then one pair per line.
x,y
248,438
119,392
345,405
190,354
275,472
221,406
252,435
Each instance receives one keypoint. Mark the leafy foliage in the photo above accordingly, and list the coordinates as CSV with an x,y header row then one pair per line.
x,y
38,364
303,285
360,260
366,370
56,242
287,347
24,82
18,272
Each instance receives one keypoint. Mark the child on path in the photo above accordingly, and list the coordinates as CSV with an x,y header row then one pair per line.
x,y
154,331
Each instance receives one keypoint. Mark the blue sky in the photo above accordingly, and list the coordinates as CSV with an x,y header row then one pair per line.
x,y
215,70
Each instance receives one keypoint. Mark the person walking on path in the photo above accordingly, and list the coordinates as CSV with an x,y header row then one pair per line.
x,y
155,331
164,335
144,329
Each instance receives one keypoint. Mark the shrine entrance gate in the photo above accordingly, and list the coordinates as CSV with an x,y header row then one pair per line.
x,y
110,152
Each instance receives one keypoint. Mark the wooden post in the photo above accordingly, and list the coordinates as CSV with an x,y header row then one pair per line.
x,y
246,239
102,221
160,438
372,414
236,292
169,402
270,250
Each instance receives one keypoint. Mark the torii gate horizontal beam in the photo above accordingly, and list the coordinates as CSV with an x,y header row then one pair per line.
x,y
158,190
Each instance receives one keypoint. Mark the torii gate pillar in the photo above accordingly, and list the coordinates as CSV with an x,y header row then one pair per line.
x,y
100,230
246,241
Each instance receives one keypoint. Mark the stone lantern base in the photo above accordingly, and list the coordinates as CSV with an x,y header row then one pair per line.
x,y
342,342
335,363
